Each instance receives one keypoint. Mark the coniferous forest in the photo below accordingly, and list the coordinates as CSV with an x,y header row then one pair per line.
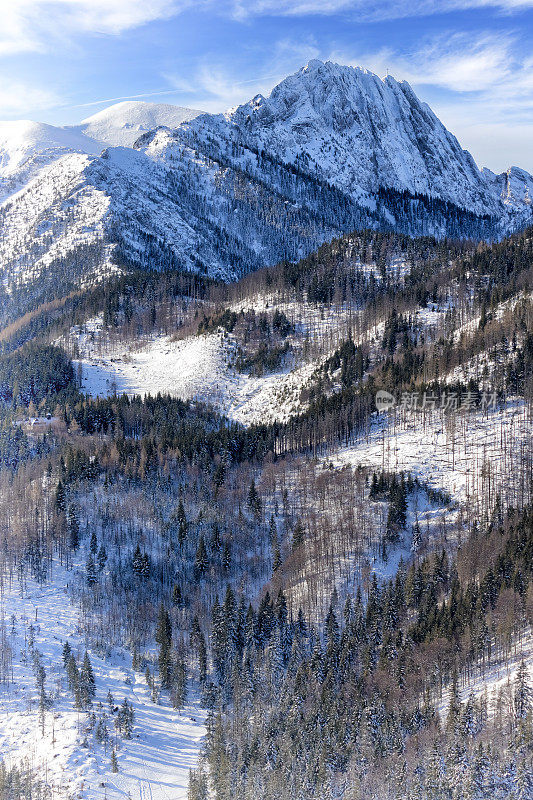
x,y
351,616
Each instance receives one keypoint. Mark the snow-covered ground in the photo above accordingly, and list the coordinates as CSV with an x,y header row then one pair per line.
x,y
198,367
123,123
165,744
494,678
470,454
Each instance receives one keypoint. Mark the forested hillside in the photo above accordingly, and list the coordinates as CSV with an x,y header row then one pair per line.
x,y
224,573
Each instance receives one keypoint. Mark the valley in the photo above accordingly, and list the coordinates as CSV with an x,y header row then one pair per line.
x,y
225,570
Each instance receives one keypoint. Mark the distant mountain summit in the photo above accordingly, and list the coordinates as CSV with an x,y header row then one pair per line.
x,y
123,123
26,147
332,149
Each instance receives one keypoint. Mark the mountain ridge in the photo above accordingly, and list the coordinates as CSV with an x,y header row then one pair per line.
x,y
332,149
122,123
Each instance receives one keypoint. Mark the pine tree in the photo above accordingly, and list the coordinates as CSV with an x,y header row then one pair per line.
x,y
216,542
254,501
73,680
101,558
276,559
125,719
455,707
90,569
198,787
298,536
59,500
272,530
163,637
523,711
87,683
182,523
67,652
416,541
201,561
73,528
522,692
114,761
102,732
226,557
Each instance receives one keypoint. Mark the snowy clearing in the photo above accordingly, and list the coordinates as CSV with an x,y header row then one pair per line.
x,y
495,678
165,744
195,368
471,455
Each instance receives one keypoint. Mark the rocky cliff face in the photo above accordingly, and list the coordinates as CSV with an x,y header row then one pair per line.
x,y
331,149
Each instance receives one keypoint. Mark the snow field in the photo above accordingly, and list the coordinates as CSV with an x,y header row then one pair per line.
x,y
495,678
469,454
195,368
165,744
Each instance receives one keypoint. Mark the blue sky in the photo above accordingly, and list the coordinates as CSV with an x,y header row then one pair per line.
x,y
471,60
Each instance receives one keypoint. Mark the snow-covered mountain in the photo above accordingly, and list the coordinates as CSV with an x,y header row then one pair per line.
x,y
123,123
26,147
358,132
514,189
332,149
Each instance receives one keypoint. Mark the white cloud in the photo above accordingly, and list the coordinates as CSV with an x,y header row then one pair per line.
x,y
458,62
34,25
18,99
488,66
377,10
213,87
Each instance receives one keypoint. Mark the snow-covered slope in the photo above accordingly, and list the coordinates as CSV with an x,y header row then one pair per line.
x,y
41,229
358,132
61,746
332,149
26,147
198,367
122,124
515,188
21,139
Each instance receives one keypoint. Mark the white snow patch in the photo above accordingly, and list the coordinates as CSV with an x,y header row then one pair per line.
x,y
195,368
154,763
470,454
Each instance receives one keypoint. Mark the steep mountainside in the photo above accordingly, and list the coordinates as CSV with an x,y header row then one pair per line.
x,y
357,132
26,147
332,149
220,554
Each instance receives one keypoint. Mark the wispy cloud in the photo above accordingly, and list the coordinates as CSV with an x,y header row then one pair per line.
x,y
459,62
488,66
36,25
373,11
17,99
215,87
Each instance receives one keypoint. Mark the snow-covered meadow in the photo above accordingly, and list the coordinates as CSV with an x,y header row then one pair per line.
x,y
194,368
